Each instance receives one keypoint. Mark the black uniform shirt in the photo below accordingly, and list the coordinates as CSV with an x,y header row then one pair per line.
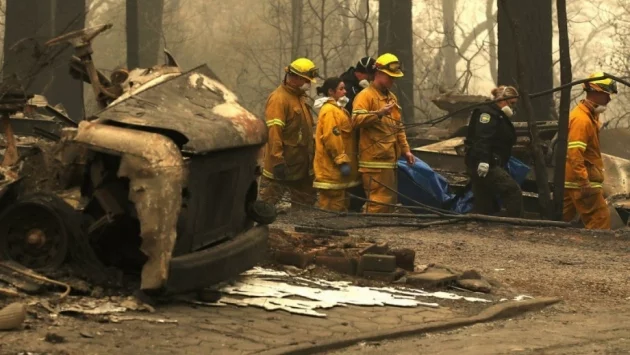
x,y
491,136
352,86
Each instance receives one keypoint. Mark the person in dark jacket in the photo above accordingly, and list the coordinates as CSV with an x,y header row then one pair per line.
x,y
357,78
489,143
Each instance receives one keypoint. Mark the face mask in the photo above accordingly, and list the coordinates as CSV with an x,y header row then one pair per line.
x,y
364,83
343,101
508,111
306,87
600,109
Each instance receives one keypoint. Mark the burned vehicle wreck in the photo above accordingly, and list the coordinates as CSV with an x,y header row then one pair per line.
x,y
167,172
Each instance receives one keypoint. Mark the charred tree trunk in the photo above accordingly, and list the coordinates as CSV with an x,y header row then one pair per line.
x,y
395,35
144,32
28,25
522,73
44,71
492,41
566,77
297,9
449,50
69,16
534,17
364,15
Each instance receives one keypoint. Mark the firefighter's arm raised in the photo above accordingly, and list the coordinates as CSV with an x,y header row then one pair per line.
x,y
364,113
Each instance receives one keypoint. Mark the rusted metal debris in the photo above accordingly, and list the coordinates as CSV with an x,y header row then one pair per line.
x,y
28,280
12,99
135,186
156,172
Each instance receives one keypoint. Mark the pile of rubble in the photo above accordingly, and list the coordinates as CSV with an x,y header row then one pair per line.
x,y
337,251
36,297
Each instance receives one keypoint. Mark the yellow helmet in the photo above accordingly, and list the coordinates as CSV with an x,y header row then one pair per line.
x,y
303,67
389,64
606,85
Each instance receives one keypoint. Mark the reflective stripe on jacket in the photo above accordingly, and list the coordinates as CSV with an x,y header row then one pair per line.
x,y
584,166
290,126
335,144
381,140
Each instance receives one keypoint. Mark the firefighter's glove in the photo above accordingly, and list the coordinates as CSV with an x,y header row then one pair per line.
x,y
386,110
345,169
280,171
482,169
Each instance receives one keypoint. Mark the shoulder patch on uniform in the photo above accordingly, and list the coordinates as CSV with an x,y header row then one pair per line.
x,y
336,131
484,118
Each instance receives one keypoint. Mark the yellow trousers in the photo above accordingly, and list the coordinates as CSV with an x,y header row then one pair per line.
x,y
333,200
375,191
592,209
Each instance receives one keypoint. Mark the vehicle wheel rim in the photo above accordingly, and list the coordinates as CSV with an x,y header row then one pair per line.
x,y
33,236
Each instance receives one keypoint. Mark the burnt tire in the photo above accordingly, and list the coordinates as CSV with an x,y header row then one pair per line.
x,y
34,231
262,212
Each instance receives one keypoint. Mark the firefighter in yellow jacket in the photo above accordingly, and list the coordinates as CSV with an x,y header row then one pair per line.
x,y
584,169
288,157
335,161
382,137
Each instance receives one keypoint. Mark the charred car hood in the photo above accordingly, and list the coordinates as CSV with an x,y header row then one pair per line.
x,y
194,109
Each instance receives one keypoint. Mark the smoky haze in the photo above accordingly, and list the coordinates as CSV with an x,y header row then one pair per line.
x,y
247,43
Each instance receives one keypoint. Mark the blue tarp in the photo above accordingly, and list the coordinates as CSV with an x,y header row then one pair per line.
x,y
420,183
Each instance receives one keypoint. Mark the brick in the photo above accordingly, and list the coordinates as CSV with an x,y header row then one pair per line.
x,y
376,262
381,276
376,248
334,252
405,258
294,258
432,278
343,265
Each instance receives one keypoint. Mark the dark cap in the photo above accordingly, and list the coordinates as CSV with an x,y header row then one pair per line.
x,y
366,65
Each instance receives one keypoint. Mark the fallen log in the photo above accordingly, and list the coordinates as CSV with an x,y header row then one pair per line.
x,y
369,223
513,220
398,215
472,217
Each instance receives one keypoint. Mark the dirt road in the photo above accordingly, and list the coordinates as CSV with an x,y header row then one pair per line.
x,y
587,270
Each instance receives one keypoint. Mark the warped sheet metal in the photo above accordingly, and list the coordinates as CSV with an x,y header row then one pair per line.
x,y
199,111
275,290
